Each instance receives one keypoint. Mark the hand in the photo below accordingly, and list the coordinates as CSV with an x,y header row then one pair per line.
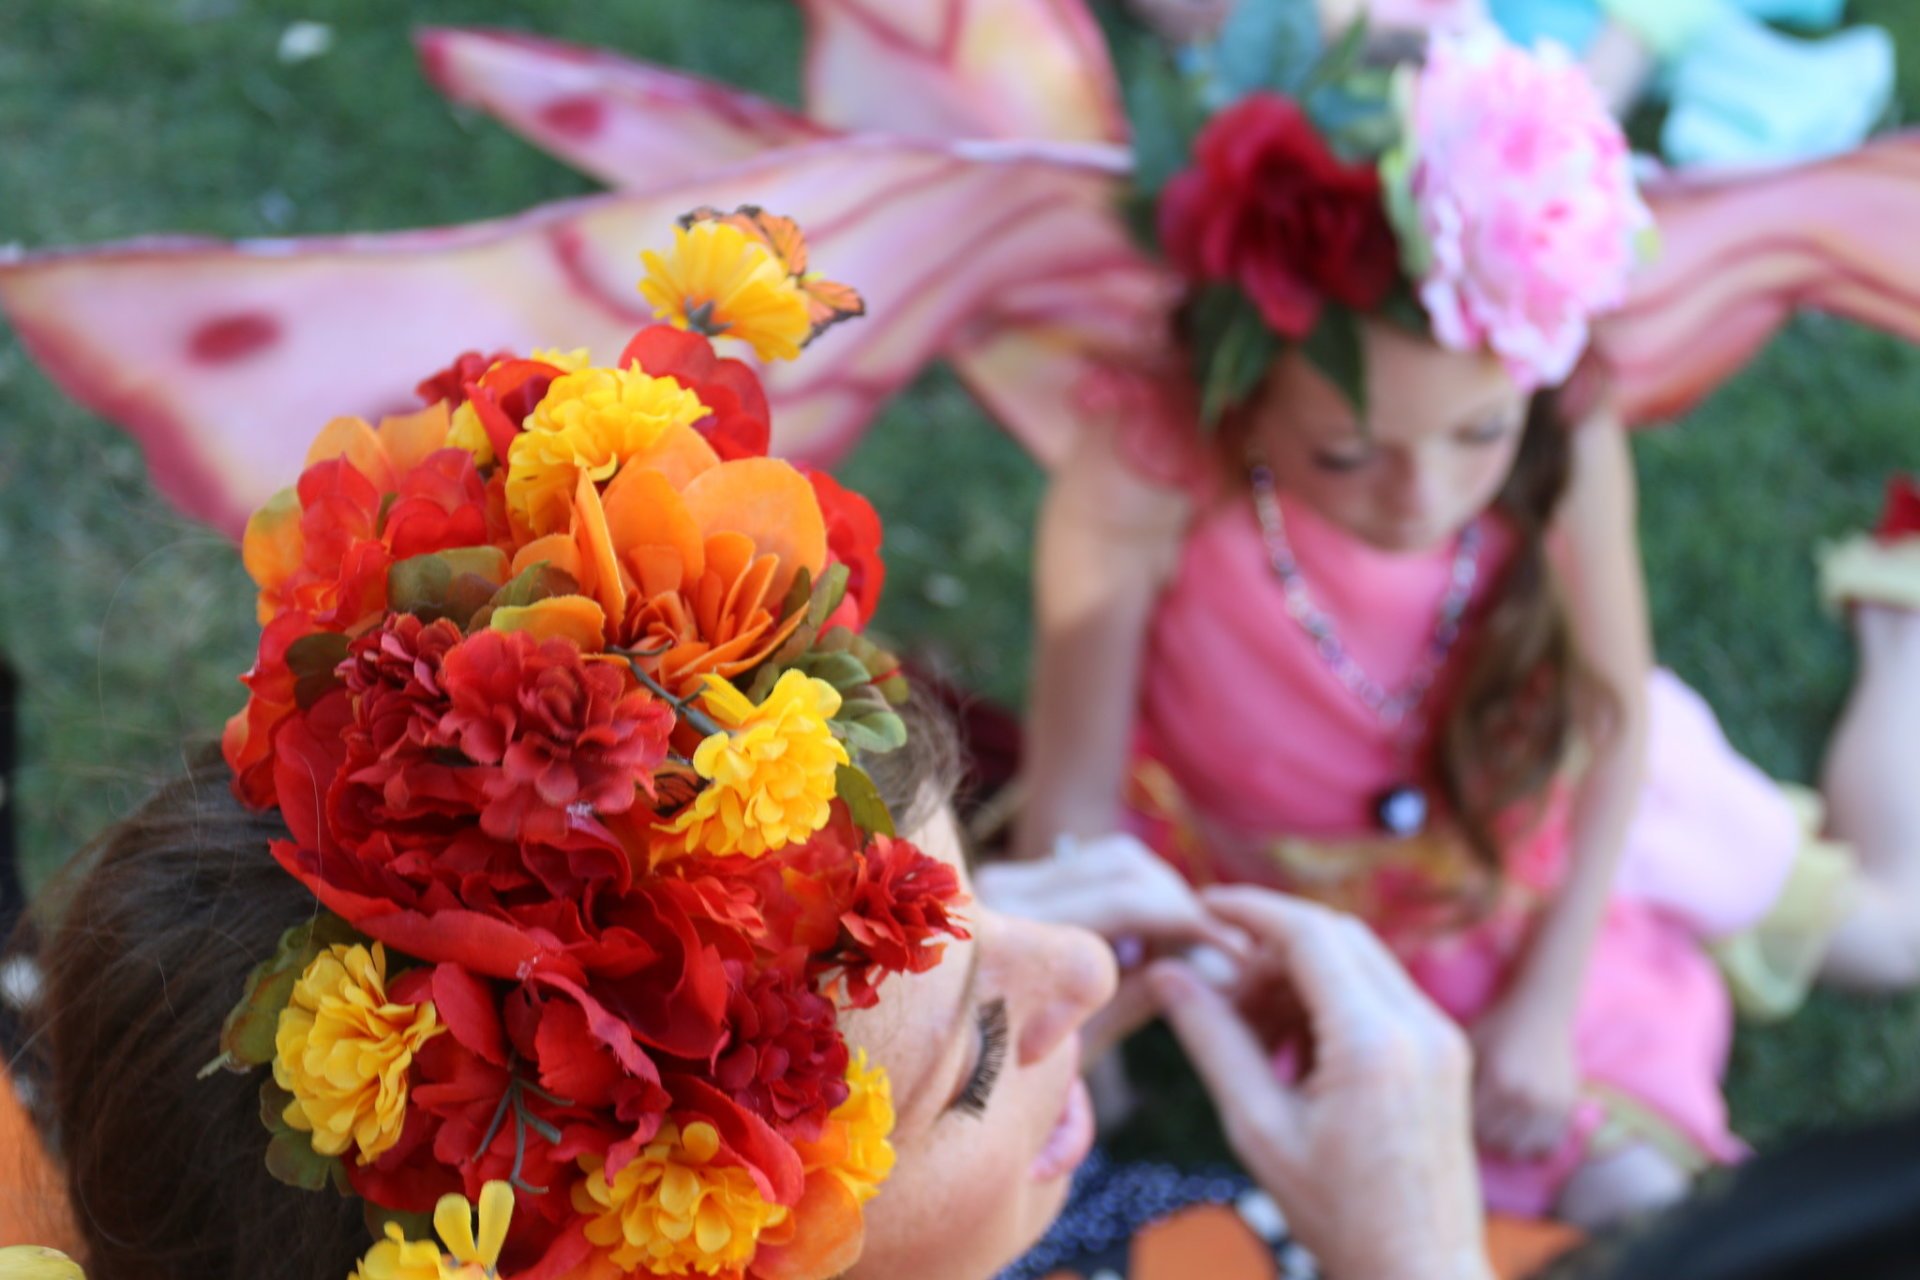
x,y
1121,890
1184,21
1369,1155
1527,1083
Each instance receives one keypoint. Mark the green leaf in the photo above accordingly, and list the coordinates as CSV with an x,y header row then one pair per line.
x,y
1234,349
798,594
313,660
533,584
291,1158
1335,350
1268,44
1165,113
454,584
828,595
246,1039
875,730
863,801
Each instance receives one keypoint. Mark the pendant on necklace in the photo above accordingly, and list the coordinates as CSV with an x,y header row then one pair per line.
x,y
1402,811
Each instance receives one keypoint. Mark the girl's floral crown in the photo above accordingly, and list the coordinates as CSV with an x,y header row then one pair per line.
x,y
1485,196
561,693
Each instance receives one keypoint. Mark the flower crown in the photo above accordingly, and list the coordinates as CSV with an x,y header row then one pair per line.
x,y
561,692
1486,196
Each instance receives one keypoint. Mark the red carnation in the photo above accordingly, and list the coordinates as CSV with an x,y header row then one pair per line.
x,y
450,384
899,901
1269,206
853,539
557,734
441,504
1902,516
738,426
393,675
784,1058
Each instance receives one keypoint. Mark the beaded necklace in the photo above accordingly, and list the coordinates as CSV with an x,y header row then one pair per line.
x,y
1403,809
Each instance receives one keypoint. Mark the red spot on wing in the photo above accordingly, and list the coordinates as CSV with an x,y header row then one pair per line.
x,y
226,339
578,116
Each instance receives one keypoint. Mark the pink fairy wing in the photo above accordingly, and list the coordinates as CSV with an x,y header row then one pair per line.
x,y
224,359
627,123
1033,69
1741,254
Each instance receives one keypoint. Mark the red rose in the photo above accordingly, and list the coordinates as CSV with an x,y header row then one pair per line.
x,y
853,539
558,735
1268,206
441,504
450,384
1902,516
738,425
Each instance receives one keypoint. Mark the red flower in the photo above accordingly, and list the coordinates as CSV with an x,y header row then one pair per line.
x,y
558,735
441,504
506,395
784,1058
738,426
1902,516
1268,206
248,739
853,539
450,384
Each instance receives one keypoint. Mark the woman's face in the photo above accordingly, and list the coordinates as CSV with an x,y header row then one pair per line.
x,y
1439,437
984,1055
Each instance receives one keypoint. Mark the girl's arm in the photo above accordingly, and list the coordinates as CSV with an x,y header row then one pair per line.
x,y
1596,554
1107,545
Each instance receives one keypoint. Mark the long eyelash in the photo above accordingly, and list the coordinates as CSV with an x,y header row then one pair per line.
x,y
995,1035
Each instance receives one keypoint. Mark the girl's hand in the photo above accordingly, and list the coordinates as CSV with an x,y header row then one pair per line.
x,y
1184,21
1117,887
1527,1084
1369,1155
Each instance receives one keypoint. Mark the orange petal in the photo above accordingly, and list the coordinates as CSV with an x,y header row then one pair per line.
x,y
409,437
770,502
822,1237
556,549
597,555
644,509
574,617
750,590
354,440
679,453
274,547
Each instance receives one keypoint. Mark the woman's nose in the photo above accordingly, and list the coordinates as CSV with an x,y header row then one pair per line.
x,y
1075,976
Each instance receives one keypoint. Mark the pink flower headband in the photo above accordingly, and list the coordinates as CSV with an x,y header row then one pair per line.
x,y
1487,197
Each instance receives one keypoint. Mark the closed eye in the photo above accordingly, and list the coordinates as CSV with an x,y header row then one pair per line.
x,y
995,1037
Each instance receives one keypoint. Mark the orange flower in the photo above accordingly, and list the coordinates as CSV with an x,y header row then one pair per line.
x,y
684,557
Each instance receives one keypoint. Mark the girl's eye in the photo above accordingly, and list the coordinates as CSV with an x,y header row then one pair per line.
x,y
1485,433
1341,461
994,1040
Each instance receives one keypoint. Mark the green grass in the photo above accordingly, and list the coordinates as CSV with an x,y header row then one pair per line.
x,y
128,623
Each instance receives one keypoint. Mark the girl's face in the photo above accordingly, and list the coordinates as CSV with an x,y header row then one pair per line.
x,y
1439,437
984,1055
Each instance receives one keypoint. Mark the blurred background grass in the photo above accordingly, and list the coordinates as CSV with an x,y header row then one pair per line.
x,y
127,623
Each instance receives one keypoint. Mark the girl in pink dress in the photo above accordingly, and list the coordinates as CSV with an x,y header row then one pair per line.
x,y
1380,635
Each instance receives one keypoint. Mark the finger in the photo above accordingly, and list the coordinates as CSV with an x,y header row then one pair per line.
x,y
1230,1061
1327,959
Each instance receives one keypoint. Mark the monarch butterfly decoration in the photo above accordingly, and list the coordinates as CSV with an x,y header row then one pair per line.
x,y
828,303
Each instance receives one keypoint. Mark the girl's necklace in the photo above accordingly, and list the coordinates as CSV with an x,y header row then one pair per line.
x,y
1402,810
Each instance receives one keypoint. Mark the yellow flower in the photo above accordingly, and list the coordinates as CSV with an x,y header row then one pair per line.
x,y
398,1258
867,1118
467,433
672,1211
590,421
31,1262
718,280
567,361
343,1052
770,770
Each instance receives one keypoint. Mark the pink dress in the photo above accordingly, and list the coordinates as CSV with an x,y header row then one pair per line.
x,y
1257,763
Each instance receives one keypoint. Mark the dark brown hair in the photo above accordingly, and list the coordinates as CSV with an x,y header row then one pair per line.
x,y
1524,692
157,925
